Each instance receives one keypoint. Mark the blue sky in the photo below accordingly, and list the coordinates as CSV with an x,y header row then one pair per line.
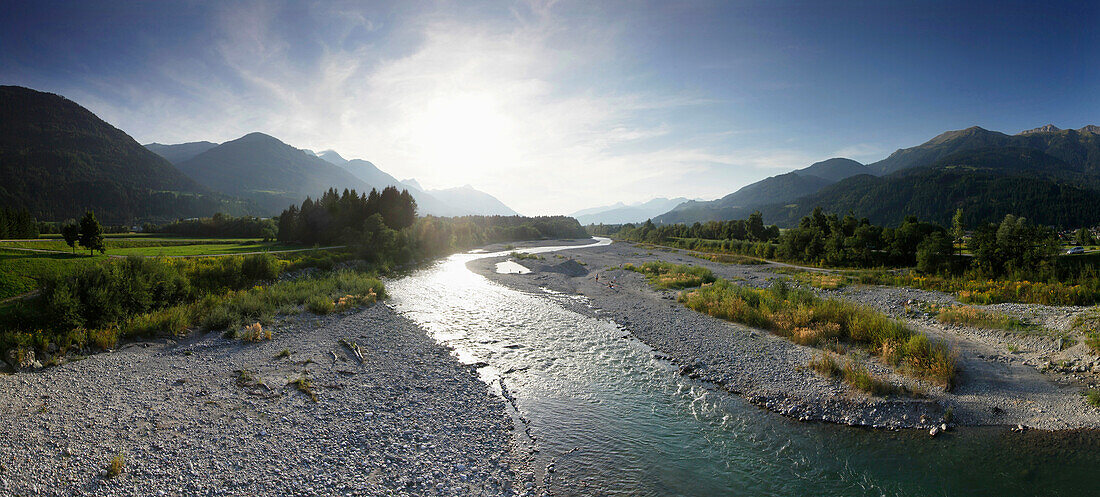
x,y
557,106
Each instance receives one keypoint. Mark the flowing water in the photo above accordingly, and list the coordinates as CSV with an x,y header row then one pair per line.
x,y
616,421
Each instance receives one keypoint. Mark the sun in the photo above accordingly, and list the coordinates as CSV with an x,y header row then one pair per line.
x,y
465,132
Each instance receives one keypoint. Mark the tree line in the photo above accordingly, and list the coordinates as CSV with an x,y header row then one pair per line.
x,y
17,223
1012,246
221,225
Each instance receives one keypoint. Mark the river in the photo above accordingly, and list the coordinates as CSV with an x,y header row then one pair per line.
x,y
614,420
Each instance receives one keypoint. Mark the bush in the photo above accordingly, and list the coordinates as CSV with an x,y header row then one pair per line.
x,y
319,304
973,316
666,275
808,320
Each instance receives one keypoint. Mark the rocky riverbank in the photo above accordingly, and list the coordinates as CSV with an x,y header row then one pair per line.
x,y
995,387
300,414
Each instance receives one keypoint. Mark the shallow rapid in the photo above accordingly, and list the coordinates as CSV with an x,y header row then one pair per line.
x,y
614,420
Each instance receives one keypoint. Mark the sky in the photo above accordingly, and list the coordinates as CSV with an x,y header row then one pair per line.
x,y
555,106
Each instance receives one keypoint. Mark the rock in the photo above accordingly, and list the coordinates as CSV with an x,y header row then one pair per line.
x,y
22,359
934,431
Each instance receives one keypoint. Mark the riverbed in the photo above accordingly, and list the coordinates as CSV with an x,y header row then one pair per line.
x,y
607,415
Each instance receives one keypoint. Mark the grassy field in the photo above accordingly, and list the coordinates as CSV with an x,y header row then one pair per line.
x,y
21,271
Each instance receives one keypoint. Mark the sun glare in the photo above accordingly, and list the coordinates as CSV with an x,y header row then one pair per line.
x,y
465,131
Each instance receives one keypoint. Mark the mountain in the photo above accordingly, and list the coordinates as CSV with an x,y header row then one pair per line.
x,y
269,172
461,201
776,189
473,201
179,152
1076,147
986,183
426,204
620,213
58,159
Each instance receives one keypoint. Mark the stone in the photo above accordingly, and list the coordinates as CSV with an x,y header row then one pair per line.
x,y
22,359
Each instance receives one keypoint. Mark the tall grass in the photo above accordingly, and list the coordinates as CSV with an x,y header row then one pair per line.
x,y
808,320
978,318
666,275
852,373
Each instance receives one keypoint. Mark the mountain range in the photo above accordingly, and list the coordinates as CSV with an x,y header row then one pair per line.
x,y
1048,174
620,213
58,159
460,201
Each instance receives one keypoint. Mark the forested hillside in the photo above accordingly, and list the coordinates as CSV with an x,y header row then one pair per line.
x,y
58,159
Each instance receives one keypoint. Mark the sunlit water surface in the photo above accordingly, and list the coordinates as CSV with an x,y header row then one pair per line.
x,y
616,421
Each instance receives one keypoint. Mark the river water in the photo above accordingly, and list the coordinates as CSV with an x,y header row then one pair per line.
x,y
613,420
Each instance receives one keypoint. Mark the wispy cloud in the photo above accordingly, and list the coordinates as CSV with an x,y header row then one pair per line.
x,y
505,104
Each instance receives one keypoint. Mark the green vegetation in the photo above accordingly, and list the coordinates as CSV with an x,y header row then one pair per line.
x,y
987,184
523,256
17,223
58,160
666,275
319,304
222,225
805,319
285,353
978,318
854,374
1092,396
116,466
305,386
98,301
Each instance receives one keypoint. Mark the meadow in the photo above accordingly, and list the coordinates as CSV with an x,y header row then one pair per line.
x,y
21,271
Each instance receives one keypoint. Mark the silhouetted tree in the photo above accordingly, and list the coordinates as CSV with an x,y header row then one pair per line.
x,y
91,234
71,234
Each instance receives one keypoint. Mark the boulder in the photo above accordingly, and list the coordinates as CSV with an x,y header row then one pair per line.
x,y
22,359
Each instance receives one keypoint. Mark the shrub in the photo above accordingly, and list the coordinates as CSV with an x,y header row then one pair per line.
x,y
666,275
973,316
255,332
305,386
172,321
116,466
808,320
1092,396
320,304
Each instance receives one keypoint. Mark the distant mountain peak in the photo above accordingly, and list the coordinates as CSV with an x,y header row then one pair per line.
x,y
1091,128
332,157
412,182
257,137
1049,128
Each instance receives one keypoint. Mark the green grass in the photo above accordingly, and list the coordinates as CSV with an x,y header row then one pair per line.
x,y
806,319
305,386
165,246
852,373
21,272
1092,396
521,256
666,275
